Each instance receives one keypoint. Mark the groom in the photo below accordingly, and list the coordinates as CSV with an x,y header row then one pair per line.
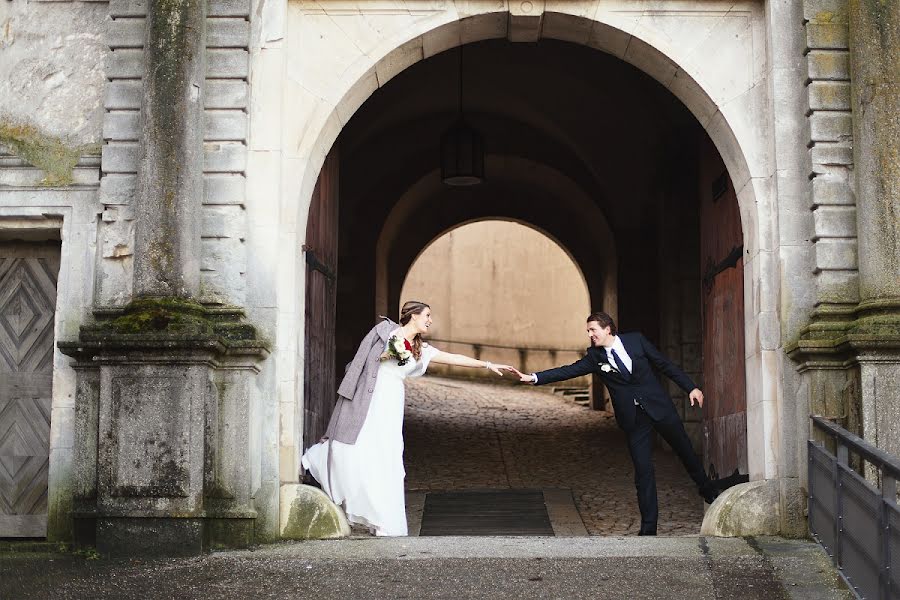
x,y
640,402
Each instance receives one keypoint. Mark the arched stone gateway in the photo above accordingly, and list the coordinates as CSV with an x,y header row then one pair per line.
x,y
644,125
712,60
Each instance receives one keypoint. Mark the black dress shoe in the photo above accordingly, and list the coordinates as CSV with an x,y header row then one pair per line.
x,y
647,529
709,493
308,479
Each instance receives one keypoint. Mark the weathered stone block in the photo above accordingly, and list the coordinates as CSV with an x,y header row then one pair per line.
x,y
838,287
123,94
228,221
226,94
827,36
124,63
117,189
127,8
832,191
228,8
126,33
829,64
830,126
224,157
224,189
227,63
835,221
227,33
120,158
836,254
149,417
307,513
123,126
825,10
829,95
825,157
224,125
150,537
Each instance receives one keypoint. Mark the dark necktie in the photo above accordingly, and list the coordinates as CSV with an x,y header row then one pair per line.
x,y
625,372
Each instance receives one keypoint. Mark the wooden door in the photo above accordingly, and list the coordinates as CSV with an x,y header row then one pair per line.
x,y
28,273
722,268
321,250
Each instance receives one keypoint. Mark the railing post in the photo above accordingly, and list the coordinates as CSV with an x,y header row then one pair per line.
x,y
888,496
842,461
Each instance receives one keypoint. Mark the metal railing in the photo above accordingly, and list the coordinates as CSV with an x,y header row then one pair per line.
x,y
857,522
523,351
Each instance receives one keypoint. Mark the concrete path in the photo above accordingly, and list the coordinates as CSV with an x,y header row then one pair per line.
x,y
448,567
461,434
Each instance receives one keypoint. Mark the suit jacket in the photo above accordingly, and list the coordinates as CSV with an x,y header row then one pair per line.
x,y
642,386
355,391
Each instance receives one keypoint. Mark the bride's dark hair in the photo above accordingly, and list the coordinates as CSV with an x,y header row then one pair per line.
x,y
413,307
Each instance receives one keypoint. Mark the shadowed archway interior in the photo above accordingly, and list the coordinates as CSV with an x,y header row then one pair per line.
x,y
610,164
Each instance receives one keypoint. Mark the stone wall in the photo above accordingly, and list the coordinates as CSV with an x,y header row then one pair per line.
x,y
504,284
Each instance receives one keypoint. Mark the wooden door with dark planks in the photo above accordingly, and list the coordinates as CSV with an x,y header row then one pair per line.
x,y
321,252
722,268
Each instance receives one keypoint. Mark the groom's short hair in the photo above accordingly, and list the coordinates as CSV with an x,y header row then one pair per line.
x,y
604,320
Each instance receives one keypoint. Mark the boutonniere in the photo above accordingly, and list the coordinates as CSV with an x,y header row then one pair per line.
x,y
608,368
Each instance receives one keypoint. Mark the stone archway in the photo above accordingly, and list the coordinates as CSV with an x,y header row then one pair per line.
x,y
728,108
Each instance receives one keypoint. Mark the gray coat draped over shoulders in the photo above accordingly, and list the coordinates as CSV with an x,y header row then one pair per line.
x,y
355,391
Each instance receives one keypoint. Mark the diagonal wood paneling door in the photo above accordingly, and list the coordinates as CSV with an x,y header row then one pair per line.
x,y
28,273
321,249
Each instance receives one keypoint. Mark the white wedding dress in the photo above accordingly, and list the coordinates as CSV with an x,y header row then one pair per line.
x,y
367,477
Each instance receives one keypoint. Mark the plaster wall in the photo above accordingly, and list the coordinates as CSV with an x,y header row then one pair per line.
x,y
505,284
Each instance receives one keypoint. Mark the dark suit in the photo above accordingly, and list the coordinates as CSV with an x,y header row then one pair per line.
x,y
653,411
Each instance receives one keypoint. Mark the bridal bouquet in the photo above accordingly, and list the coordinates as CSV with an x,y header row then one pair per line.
x,y
398,348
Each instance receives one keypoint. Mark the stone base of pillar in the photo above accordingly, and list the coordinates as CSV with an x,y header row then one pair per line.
x,y
849,364
164,409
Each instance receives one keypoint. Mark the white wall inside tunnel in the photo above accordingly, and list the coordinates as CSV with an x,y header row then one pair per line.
x,y
502,283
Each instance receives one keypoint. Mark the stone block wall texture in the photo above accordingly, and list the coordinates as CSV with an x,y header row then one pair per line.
x,y
223,255
51,86
830,145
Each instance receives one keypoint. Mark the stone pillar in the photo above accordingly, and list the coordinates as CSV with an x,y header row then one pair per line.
x,y
170,172
165,393
875,73
850,363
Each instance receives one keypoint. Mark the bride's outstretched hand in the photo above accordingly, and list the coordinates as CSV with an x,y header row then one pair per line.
x,y
498,369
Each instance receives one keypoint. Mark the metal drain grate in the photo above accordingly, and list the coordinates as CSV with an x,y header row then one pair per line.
x,y
486,512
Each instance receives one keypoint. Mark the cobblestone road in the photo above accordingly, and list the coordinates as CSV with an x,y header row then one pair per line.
x,y
467,435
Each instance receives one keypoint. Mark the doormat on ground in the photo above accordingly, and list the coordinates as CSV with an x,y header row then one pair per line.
x,y
486,512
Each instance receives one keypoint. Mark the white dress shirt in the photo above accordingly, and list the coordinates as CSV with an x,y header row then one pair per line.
x,y
620,350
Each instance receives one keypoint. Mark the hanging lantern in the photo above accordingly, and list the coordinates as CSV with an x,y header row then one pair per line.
x,y
462,148
462,155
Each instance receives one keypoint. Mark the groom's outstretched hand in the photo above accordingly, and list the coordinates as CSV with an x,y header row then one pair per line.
x,y
522,376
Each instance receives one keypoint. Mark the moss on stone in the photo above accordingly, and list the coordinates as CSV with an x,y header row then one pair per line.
x,y
173,318
163,315
51,154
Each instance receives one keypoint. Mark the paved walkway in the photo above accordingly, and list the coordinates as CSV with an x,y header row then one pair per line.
x,y
466,435
453,568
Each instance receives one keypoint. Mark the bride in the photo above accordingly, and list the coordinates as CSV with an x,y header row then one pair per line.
x,y
359,461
